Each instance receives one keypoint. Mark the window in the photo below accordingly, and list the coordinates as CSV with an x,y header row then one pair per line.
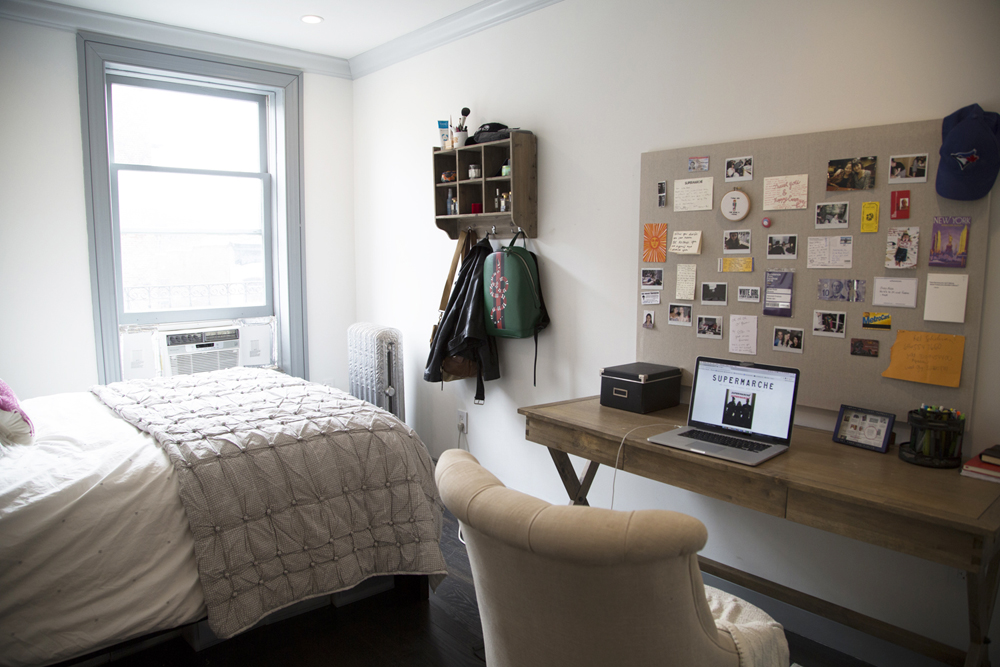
x,y
194,200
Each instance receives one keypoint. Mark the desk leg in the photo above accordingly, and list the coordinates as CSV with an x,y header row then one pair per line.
x,y
981,589
577,488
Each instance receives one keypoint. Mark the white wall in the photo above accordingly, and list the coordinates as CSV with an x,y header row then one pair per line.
x,y
47,331
47,337
600,83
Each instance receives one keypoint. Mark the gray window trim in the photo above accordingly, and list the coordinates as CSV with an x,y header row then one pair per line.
x,y
288,288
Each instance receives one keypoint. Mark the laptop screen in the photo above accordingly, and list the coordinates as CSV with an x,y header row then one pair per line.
x,y
747,399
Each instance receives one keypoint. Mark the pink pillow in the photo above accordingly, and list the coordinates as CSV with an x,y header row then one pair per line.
x,y
15,427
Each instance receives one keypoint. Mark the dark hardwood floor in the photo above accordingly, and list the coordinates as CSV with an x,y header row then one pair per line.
x,y
392,628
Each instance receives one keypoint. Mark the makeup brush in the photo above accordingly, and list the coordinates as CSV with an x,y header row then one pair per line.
x,y
461,121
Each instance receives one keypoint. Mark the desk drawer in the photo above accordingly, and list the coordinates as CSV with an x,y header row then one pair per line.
x,y
728,482
923,539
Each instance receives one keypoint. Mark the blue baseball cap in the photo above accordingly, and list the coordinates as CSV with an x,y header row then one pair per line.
x,y
970,153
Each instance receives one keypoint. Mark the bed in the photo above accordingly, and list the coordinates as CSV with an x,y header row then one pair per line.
x,y
146,505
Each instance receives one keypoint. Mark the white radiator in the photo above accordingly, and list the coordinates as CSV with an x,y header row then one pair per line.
x,y
375,366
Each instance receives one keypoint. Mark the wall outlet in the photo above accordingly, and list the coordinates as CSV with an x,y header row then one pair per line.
x,y
463,421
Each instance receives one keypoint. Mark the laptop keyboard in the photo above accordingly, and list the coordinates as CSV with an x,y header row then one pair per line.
x,y
728,441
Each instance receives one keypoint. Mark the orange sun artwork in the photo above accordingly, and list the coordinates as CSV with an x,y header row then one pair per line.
x,y
654,243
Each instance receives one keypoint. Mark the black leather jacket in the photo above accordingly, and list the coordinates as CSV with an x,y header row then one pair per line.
x,y
462,331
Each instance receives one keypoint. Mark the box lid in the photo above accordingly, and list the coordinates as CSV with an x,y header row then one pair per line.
x,y
641,372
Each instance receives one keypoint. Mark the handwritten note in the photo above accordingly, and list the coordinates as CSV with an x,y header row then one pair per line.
x,y
743,334
686,243
786,192
686,275
930,358
693,194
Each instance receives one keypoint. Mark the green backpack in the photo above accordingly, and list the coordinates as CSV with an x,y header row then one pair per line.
x,y
514,307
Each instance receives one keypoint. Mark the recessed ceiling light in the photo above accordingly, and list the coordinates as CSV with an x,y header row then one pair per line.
x,y
312,18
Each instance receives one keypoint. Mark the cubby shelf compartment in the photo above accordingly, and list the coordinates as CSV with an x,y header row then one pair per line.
x,y
521,184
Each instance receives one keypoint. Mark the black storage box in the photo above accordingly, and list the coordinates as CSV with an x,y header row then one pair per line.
x,y
641,387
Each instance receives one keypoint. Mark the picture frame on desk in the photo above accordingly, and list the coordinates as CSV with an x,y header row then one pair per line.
x,y
867,429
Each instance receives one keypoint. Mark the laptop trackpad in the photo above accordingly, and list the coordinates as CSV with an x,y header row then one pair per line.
x,y
707,448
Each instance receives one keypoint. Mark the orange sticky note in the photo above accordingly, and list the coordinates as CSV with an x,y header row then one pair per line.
x,y
919,356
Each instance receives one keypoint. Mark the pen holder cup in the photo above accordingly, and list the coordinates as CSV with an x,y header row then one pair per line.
x,y
936,443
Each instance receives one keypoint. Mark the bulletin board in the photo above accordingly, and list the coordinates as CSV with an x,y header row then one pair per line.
x,y
830,374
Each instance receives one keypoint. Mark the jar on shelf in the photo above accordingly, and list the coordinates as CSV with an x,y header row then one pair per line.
x,y
475,171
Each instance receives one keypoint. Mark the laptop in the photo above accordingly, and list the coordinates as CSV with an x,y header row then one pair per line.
x,y
739,411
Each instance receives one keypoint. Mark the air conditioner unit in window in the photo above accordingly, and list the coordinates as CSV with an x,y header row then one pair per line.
x,y
200,350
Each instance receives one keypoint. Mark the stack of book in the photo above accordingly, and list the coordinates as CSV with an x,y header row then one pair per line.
x,y
985,466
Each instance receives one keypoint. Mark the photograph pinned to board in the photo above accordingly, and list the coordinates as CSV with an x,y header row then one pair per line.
x,y
778,293
830,252
698,163
736,242
650,298
864,347
661,194
714,294
908,168
832,215
830,323
651,278
877,321
709,327
902,247
949,241
782,246
899,205
679,314
853,173
748,294
739,168
788,339
654,242
648,318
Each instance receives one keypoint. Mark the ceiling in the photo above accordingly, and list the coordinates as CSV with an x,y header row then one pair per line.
x,y
349,28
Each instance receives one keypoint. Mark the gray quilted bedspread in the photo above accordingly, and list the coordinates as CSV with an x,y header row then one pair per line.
x,y
292,489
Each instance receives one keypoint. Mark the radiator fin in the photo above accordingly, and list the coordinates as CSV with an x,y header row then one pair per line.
x,y
375,366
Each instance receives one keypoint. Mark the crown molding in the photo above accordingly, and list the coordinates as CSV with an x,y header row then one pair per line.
x,y
481,16
63,17
478,17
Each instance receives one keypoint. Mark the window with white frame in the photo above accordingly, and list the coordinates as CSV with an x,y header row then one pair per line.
x,y
194,192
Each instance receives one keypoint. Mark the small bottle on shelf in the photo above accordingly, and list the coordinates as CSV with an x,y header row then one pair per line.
x,y
451,205
496,202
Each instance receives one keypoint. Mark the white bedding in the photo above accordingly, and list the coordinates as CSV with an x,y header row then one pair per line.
x,y
67,502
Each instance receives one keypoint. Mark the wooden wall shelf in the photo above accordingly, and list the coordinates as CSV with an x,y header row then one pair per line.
x,y
521,185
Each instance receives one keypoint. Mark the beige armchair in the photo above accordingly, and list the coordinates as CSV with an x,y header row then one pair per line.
x,y
576,586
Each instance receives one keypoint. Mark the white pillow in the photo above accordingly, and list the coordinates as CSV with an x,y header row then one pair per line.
x,y
15,427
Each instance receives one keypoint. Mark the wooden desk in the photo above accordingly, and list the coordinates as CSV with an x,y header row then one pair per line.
x,y
933,514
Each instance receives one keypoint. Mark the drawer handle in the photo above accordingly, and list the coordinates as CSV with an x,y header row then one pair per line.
x,y
623,393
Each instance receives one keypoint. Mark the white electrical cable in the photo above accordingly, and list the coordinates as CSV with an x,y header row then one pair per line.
x,y
614,477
